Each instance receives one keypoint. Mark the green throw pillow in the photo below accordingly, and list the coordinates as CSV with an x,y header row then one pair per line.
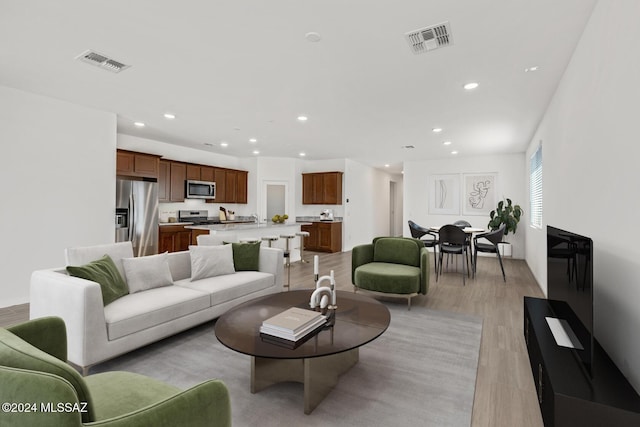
x,y
246,256
104,272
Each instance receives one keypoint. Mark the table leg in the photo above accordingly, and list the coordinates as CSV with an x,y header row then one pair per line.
x,y
321,376
318,374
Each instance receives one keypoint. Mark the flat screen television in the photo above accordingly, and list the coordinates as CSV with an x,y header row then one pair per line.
x,y
570,288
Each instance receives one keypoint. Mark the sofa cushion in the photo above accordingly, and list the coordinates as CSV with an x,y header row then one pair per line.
x,y
231,286
246,256
397,250
136,312
210,261
84,255
104,272
17,353
388,277
147,272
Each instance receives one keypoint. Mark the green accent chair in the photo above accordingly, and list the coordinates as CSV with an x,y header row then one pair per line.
x,y
391,266
34,371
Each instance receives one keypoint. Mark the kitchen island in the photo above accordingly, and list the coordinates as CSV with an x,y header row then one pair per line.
x,y
234,232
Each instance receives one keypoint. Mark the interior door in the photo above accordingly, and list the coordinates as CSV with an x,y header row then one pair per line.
x,y
275,200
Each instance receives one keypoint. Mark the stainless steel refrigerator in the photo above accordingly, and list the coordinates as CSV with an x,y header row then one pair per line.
x,y
137,215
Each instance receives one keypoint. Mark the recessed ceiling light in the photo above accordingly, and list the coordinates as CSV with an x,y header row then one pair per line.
x,y
303,118
436,130
253,140
386,166
169,116
534,68
454,152
313,37
138,124
224,144
303,154
256,152
446,143
470,86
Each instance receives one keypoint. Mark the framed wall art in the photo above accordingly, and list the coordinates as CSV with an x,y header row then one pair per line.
x,y
479,193
444,194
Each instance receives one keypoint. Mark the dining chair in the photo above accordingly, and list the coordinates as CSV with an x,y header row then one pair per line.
x,y
453,240
494,237
418,232
464,224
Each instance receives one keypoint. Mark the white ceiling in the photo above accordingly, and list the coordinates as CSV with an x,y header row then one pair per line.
x,y
235,70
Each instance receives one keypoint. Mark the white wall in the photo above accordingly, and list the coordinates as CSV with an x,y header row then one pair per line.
x,y
367,210
510,184
57,181
590,171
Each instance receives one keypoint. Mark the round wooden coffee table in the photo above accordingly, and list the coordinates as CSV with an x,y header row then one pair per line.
x,y
318,362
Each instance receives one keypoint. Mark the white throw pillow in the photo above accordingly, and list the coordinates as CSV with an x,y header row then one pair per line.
x,y
147,272
210,261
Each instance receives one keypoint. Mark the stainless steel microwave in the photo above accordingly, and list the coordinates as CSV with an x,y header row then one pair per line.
x,y
200,190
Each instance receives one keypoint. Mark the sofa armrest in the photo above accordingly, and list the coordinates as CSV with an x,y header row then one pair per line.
x,y
272,261
46,333
424,271
206,404
360,255
79,303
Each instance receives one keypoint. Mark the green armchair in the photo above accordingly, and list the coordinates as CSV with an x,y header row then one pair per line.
x,y
393,266
38,388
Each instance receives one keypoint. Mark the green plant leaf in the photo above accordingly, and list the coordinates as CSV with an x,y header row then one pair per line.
x,y
508,214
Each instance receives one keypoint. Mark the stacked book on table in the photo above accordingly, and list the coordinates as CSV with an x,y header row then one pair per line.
x,y
292,325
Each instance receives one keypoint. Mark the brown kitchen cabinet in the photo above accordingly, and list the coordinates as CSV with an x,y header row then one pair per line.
x,y
130,163
195,234
322,188
324,236
231,186
200,173
311,241
164,181
174,238
178,175
241,187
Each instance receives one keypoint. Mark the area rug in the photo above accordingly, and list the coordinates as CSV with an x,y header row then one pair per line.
x,y
420,372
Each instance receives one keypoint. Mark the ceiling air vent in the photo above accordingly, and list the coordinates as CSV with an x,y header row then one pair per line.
x,y
102,61
429,38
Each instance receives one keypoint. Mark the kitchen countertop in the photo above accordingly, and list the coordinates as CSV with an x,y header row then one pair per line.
x,y
244,226
162,224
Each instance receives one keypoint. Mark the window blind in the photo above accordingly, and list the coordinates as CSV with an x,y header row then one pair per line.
x,y
535,188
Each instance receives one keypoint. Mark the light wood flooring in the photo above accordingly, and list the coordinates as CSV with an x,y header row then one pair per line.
x,y
505,394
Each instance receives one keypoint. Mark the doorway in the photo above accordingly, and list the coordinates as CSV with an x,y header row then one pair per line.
x,y
276,199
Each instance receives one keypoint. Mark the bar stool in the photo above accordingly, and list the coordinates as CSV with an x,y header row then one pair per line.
x,y
248,240
269,239
287,256
302,235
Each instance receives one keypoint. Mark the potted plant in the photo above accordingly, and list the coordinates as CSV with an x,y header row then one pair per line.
x,y
508,214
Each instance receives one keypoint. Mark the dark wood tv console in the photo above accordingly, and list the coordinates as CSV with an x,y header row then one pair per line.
x,y
566,394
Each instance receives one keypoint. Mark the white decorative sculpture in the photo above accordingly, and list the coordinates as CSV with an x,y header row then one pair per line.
x,y
323,297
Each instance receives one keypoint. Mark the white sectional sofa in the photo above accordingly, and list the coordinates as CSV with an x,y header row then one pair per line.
x,y
96,332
